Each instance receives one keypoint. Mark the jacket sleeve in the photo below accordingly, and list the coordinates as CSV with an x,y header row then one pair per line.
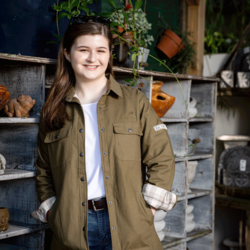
x,y
157,154
44,179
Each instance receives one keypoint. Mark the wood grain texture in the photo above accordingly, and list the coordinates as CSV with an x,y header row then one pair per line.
x,y
20,197
11,174
24,79
179,184
33,237
18,145
178,137
175,221
203,179
205,243
196,24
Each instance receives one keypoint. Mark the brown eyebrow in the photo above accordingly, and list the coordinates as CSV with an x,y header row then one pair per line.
x,y
88,47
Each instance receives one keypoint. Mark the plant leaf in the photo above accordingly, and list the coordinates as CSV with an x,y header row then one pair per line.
x,y
138,4
104,14
112,3
61,15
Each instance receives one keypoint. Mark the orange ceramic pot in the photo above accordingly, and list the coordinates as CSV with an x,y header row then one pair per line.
x,y
4,96
170,44
161,102
4,218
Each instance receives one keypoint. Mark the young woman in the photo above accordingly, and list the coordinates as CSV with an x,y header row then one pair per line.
x,y
95,139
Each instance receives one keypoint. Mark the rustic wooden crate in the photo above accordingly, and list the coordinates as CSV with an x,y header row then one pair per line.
x,y
206,144
24,79
202,212
178,110
18,143
204,93
175,221
179,184
178,137
204,175
203,243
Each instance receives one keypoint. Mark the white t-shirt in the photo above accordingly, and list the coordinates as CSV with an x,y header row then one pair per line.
x,y
92,152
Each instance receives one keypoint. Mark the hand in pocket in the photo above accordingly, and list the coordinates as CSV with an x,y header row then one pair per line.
x,y
153,210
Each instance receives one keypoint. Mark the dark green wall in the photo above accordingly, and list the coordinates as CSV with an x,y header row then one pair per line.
x,y
169,9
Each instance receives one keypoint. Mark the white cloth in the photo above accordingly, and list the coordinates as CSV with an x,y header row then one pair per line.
x,y
93,152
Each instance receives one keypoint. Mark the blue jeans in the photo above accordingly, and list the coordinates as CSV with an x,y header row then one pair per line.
x,y
99,236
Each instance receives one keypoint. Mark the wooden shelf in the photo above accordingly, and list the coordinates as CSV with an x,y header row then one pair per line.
x,y
170,241
11,174
16,229
201,119
198,193
19,120
234,92
4,246
198,156
173,119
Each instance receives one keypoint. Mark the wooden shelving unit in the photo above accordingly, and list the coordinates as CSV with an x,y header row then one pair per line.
x,y
19,136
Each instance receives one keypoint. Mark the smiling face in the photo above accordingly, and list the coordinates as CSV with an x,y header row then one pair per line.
x,y
89,57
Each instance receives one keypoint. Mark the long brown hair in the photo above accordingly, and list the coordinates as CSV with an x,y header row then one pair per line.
x,y
54,110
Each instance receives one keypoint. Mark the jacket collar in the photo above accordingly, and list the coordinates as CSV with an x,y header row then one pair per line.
x,y
112,85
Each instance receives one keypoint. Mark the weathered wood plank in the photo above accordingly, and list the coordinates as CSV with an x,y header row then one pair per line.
x,y
198,193
205,243
12,247
33,240
206,144
24,80
175,221
204,93
178,137
33,59
203,178
19,119
18,145
11,174
16,229
202,212
20,197
179,184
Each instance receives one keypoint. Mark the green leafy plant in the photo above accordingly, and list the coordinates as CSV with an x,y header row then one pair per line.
x,y
68,9
223,30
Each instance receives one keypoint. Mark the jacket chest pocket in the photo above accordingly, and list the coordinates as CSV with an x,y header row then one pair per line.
x,y
127,141
59,146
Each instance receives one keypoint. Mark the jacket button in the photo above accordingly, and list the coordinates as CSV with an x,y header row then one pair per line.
x,y
113,227
84,229
81,130
104,153
107,177
82,179
67,98
82,154
84,203
99,107
110,202
102,129
57,136
130,130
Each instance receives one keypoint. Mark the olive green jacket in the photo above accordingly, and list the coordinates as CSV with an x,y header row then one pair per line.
x,y
131,136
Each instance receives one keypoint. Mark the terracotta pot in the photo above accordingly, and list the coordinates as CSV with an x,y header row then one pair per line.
x,y
170,44
4,219
4,96
161,102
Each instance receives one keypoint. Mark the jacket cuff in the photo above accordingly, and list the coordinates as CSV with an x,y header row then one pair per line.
x,y
45,206
158,197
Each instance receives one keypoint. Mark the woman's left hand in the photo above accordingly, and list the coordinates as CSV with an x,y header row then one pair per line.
x,y
153,210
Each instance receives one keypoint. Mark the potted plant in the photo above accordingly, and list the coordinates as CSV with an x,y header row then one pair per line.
x,y
185,56
130,23
170,43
